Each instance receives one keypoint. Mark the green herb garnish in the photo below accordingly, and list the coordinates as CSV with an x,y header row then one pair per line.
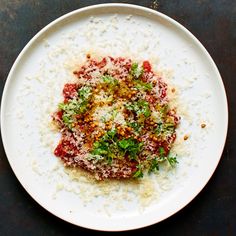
x,y
142,85
163,128
136,126
139,172
136,71
84,92
164,109
106,146
131,147
154,165
70,109
172,161
110,134
110,80
161,151
140,107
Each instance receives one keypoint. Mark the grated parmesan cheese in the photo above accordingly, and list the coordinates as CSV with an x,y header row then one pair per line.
x,y
53,73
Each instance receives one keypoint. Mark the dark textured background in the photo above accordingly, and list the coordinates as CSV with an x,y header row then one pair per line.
x,y
213,22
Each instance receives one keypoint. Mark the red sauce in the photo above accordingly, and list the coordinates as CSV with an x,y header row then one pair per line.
x,y
83,132
147,66
70,91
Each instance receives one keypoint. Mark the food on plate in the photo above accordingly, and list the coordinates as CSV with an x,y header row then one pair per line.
x,y
115,120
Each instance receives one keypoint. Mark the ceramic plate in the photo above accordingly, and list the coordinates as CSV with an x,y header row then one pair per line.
x,y
33,90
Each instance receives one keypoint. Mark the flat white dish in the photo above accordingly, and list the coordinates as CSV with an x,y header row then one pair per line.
x,y
33,88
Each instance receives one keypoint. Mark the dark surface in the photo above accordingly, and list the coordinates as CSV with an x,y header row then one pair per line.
x,y
213,211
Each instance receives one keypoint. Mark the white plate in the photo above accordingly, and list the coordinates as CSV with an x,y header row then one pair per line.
x,y
33,89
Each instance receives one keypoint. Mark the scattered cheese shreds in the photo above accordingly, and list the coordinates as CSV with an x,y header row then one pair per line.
x,y
55,70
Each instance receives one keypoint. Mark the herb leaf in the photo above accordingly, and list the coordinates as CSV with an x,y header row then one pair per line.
x,y
131,147
172,161
139,172
136,71
164,109
163,128
99,151
84,92
70,109
136,126
154,165
111,133
142,85
109,80
140,107
106,146
125,143
161,151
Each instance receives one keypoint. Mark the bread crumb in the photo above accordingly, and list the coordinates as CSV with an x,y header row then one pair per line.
x,y
186,137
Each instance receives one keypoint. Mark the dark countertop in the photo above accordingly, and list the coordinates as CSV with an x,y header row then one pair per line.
x,y
213,22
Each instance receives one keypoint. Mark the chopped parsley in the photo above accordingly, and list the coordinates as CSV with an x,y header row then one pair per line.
x,y
136,71
140,107
163,110
172,161
110,80
154,165
106,146
84,92
142,85
75,106
161,152
110,147
135,125
70,109
130,147
164,128
139,172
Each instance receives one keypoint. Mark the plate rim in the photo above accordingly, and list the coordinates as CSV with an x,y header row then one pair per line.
x,y
108,5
